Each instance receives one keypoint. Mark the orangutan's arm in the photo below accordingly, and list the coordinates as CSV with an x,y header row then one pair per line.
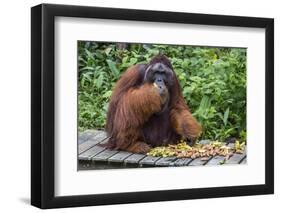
x,y
139,104
183,122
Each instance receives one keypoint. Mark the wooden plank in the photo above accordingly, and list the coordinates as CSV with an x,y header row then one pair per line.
x,y
216,160
87,155
182,162
236,158
91,141
167,161
134,158
119,157
104,155
149,160
199,162
87,145
84,136
103,142
100,136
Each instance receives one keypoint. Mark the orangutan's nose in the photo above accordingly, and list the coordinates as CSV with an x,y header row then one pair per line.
x,y
159,80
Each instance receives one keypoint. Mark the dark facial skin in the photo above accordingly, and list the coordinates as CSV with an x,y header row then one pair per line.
x,y
160,81
161,76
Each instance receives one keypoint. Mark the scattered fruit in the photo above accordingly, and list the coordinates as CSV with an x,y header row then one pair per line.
x,y
203,151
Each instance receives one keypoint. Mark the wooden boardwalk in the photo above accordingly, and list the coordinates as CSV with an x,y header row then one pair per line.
x,y
93,156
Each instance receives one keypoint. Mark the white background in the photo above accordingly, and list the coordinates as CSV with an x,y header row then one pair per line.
x,y
70,182
15,106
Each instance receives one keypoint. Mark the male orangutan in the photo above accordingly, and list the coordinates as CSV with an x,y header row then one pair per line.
x,y
147,109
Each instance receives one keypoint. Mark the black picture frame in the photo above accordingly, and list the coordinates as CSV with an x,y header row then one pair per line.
x,y
43,110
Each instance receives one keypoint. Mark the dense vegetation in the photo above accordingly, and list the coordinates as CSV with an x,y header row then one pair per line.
x,y
213,82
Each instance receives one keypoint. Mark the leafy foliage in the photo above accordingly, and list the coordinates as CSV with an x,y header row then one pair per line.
x,y
213,82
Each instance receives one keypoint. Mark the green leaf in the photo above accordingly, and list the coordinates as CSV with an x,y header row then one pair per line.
x,y
107,50
89,54
112,67
124,60
133,61
220,115
204,106
107,94
99,81
225,116
185,64
186,90
87,68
